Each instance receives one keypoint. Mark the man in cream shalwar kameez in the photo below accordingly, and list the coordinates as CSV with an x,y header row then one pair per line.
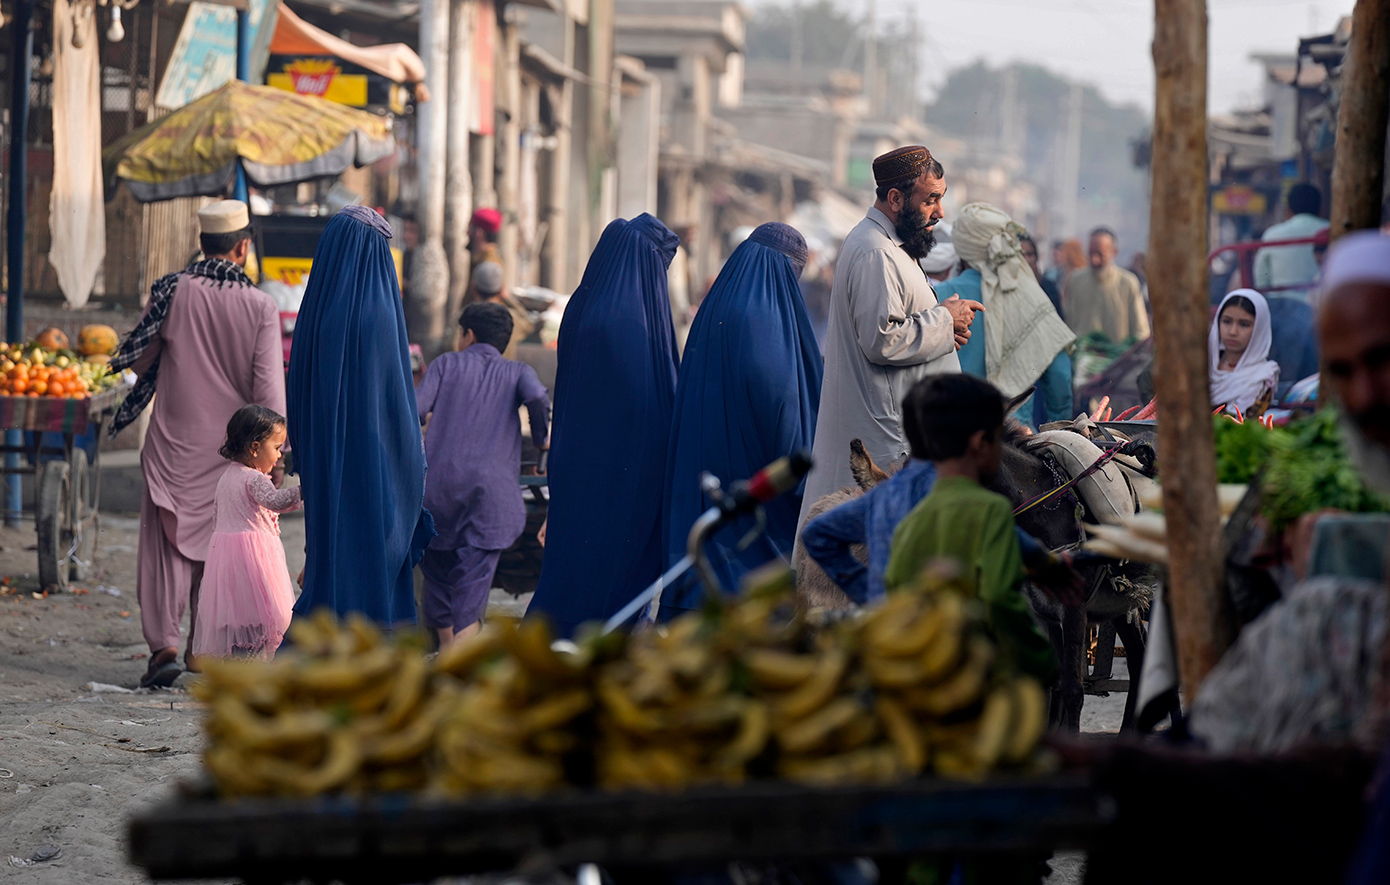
x,y
208,344
886,330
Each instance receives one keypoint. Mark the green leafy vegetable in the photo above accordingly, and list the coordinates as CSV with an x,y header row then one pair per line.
x,y
1241,449
1309,469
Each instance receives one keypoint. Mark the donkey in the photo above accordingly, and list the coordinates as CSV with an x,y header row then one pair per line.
x,y
1115,594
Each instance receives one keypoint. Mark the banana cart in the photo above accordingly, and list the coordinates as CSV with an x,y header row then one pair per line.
x,y
67,483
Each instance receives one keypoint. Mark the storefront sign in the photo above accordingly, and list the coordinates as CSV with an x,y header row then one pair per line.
x,y
333,78
1239,199
204,56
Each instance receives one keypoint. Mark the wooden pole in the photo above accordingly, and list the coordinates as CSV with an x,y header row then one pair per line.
x,y
1358,170
1178,288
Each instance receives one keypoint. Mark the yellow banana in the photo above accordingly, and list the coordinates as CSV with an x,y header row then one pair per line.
x,y
818,689
557,710
365,634
1030,719
751,739
408,692
893,672
339,764
960,690
411,741
871,765
944,652
254,732
461,657
860,732
230,772
343,675
624,711
903,732
813,731
530,645
992,737
778,670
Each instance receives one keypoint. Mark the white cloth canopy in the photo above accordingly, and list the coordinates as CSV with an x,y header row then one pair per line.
x,y
77,206
1255,373
1023,333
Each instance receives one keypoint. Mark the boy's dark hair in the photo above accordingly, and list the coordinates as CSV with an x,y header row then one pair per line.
x,y
250,424
942,412
490,323
222,244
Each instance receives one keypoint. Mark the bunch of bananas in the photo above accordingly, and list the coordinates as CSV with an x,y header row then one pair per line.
x,y
750,689
522,714
671,715
344,711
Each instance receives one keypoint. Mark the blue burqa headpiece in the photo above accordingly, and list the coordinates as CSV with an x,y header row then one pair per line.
x,y
615,382
354,429
749,391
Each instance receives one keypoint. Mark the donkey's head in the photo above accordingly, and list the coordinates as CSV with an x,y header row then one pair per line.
x,y
866,473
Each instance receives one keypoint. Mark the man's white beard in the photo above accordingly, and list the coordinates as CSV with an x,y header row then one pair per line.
x,y
1372,459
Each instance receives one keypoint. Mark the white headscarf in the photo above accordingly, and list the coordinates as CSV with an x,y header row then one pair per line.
x,y
1255,373
1023,333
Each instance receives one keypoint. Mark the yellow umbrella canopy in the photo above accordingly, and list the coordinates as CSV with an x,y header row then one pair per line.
x,y
279,137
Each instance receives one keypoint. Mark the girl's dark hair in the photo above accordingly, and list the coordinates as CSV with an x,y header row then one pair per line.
x,y
250,424
1240,301
942,412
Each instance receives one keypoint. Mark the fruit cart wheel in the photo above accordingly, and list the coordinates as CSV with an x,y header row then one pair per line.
x,y
53,513
84,526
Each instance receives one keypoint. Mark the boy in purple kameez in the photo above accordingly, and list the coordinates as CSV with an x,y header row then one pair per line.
x,y
469,403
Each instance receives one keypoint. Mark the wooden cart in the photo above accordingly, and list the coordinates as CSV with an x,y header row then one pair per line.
x,y
402,838
67,488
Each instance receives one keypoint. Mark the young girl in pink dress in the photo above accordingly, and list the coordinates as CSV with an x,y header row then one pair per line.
x,y
245,601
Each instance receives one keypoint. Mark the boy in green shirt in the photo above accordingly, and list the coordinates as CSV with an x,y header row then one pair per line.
x,y
957,422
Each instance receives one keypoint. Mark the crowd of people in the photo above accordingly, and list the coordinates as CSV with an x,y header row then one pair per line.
x,y
637,416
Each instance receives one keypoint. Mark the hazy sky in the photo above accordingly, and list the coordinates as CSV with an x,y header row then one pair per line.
x,y
1107,42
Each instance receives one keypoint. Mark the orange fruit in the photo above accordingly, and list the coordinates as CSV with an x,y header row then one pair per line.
x,y
19,385
39,387
57,388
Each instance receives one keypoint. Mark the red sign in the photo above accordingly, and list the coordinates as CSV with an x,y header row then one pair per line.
x,y
313,76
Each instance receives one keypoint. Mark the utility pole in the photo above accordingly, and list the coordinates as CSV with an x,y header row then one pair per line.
x,y
1178,286
871,58
1358,169
21,57
429,283
1069,189
458,186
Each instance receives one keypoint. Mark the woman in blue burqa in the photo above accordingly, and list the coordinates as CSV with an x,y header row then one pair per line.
x,y
354,430
749,389
615,382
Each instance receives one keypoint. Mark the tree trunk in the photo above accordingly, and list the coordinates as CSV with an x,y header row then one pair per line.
x,y
1178,288
1358,171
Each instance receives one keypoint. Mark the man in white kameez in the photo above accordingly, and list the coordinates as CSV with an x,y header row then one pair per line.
x,y
886,331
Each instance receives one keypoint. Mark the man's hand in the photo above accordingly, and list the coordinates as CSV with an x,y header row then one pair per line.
x,y
962,313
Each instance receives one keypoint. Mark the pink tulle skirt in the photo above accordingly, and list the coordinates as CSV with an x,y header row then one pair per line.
x,y
246,597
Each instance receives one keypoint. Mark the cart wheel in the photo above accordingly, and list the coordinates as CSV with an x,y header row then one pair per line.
x,y
53,512
83,517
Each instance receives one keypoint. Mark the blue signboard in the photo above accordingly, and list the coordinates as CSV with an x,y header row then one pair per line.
x,y
204,58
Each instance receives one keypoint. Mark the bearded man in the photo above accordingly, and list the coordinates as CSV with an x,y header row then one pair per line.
x,y
886,330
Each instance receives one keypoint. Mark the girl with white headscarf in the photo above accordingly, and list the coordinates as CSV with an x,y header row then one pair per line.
x,y
1238,351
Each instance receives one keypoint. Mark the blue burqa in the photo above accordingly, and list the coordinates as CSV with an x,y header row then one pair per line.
x,y
354,430
749,390
615,382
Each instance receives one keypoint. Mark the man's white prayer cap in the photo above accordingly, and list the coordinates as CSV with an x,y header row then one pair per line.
x,y
224,217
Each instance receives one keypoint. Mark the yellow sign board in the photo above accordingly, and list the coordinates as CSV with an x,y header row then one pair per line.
x,y
321,77
292,271
1238,199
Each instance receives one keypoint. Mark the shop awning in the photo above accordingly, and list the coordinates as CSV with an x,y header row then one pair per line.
x,y
311,61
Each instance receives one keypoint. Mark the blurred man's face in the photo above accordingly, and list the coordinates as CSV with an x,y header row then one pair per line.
x,y
1030,255
475,239
1102,251
1355,329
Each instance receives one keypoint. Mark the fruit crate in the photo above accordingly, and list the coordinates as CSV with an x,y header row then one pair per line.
x,y
67,485
403,838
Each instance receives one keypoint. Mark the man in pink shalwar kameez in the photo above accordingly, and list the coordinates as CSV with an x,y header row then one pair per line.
x,y
208,344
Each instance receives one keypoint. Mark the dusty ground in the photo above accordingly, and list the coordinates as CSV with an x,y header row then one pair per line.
x,y
78,756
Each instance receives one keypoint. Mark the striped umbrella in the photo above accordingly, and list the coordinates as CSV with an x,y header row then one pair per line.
x,y
278,137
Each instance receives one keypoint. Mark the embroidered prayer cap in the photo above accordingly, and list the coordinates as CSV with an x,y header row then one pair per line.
x,y
224,217
901,164
785,239
489,220
1361,257
487,278
370,217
